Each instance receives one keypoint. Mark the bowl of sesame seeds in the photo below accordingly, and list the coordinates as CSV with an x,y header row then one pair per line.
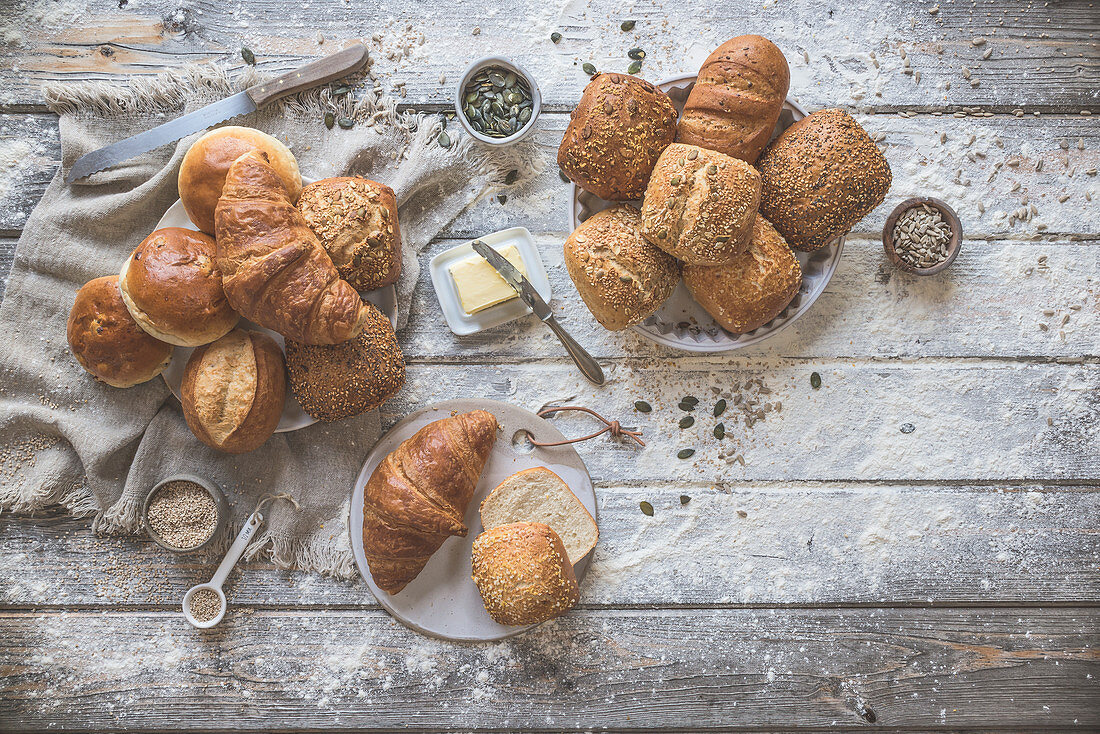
x,y
184,513
922,236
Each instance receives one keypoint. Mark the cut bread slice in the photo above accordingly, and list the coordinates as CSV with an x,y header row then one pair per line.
x,y
540,495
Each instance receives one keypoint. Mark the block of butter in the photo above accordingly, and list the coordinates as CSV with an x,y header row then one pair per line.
x,y
479,285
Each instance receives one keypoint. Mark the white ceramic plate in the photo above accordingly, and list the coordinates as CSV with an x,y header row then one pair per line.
x,y
443,601
293,416
462,323
682,323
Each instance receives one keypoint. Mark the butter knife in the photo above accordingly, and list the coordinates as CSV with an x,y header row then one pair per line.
x,y
589,367
324,70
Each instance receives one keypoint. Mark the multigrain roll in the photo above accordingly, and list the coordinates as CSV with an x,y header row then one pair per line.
x,y
333,382
173,288
207,161
754,287
700,205
615,134
233,391
820,177
523,573
737,98
106,340
621,277
356,221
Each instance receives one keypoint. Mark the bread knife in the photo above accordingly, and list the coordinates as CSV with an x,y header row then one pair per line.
x,y
589,367
331,67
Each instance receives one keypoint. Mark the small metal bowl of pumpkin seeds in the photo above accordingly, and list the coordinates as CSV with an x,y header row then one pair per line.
x,y
497,101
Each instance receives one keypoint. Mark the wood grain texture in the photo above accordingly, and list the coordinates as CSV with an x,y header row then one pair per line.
x,y
828,47
788,544
628,669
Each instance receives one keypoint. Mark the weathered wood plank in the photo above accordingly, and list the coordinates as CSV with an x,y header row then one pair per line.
x,y
922,166
829,50
688,671
890,421
992,302
781,544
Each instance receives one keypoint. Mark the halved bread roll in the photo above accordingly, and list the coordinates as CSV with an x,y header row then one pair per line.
x,y
540,495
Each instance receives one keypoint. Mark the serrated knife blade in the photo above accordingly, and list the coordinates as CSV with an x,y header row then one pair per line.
x,y
169,132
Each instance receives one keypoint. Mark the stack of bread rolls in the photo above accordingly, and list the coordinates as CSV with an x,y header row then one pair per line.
x,y
287,258
720,205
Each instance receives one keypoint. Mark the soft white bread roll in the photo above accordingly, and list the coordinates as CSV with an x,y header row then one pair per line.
x,y
540,495
233,391
621,276
202,173
754,287
106,340
700,204
173,289
523,573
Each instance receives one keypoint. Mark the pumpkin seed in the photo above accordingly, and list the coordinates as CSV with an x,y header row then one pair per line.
x,y
690,399
687,422
524,115
555,36
686,407
444,140
720,431
684,499
345,122
634,68
693,154
642,406
340,90
510,177
908,428
719,408
636,53
674,181
502,198
330,120
815,380
627,25
588,68
685,453
248,56
647,509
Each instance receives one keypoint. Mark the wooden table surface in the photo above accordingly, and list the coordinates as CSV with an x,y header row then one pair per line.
x,y
850,575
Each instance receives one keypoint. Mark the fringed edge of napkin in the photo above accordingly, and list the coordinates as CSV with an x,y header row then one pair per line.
x,y
327,550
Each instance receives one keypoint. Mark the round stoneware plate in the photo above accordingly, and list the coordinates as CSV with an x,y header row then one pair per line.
x,y
443,601
293,416
682,323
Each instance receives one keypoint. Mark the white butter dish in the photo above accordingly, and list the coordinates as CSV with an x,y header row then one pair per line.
x,y
462,323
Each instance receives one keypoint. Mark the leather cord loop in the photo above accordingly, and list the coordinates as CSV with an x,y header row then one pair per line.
x,y
611,427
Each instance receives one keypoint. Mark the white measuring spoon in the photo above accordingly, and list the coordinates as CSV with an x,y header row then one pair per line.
x,y
255,520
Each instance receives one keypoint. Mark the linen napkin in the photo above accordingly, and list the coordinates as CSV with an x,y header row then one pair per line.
x,y
68,440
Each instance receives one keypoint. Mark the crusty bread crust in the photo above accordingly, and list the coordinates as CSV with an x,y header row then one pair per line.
x,y
356,221
523,573
820,177
754,287
615,134
621,277
737,98
700,205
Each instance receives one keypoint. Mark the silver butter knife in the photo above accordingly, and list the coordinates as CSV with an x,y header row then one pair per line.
x,y
589,367
324,70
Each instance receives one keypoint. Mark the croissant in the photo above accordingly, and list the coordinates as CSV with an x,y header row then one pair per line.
x,y
417,497
274,270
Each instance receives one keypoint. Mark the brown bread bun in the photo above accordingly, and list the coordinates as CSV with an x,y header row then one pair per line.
x,y
754,287
202,172
342,380
737,98
356,221
820,177
615,134
523,573
173,289
233,391
106,340
621,277
700,205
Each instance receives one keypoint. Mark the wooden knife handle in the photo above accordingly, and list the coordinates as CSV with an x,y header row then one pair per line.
x,y
323,70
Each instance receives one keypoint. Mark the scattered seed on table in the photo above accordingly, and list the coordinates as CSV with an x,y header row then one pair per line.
x,y
627,25
742,513
647,509
720,431
687,422
444,140
684,499
330,120
815,380
248,56
555,36
635,53
345,122
719,408
907,428
642,406
588,68
634,68
685,453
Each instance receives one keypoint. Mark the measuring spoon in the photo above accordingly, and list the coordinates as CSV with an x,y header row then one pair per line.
x,y
255,520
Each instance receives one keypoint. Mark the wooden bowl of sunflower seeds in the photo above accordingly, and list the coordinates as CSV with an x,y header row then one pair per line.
x,y
922,236
497,101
